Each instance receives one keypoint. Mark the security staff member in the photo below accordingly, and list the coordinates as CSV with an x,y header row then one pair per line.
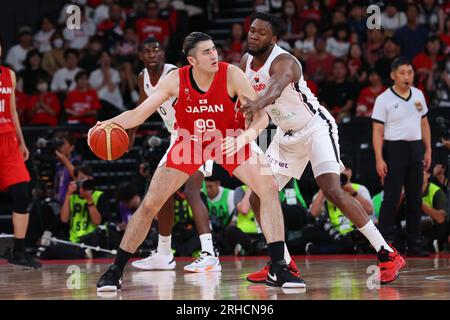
x,y
402,144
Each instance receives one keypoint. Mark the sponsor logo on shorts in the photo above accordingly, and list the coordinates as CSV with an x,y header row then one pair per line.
x,y
277,163
277,116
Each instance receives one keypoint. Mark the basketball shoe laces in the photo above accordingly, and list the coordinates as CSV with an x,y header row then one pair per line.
x,y
203,255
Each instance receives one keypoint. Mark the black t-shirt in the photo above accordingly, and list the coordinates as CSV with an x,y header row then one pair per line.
x,y
337,94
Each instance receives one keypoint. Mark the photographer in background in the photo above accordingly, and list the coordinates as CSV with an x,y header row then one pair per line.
x,y
336,234
64,144
84,208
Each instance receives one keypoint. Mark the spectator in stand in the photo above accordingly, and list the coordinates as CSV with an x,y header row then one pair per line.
x,y
126,50
112,29
42,37
79,38
338,94
439,84
445,36
391,50
412,30
357,65
106,81
17,54
339,44
236,45
44,107
426,63
65,167
152,25
291,22
374,45
439,177
319,66
53,60
22,100
305,46
432,16
338,18
32,71
64,78
82,104
129,85
91,56
392,19
367,96
129,200
102,12
357,21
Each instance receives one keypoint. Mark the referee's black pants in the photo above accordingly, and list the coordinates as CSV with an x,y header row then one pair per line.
x,y
405,168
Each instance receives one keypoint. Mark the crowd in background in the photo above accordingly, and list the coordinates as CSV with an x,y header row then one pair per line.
x,y
75,77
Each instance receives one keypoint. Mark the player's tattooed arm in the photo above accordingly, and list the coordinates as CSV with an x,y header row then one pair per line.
x,y
283,71
168,87
142,96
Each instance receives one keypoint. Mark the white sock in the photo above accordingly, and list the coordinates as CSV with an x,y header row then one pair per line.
x,y
164,245
374,236
207,243
287,256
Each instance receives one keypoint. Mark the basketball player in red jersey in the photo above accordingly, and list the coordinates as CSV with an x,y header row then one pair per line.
x,y
153,56
14,176
207,91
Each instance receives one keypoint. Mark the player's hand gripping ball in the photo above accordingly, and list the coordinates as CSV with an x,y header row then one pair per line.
x,y
108,141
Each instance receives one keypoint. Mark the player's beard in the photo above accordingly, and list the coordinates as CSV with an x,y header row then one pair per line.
x,y
260,51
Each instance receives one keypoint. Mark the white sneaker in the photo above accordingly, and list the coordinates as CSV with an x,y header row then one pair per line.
x,y
156,261
205,263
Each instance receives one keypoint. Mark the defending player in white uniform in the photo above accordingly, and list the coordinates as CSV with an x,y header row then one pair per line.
x,y
305,132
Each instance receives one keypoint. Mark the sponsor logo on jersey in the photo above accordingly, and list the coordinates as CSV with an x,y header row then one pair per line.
x,y
277,116
419,106
259,87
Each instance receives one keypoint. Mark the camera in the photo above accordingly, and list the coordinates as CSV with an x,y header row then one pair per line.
x,y
152,150
344,179
86,184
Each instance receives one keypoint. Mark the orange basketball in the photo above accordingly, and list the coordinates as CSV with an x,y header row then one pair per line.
x,y
108,141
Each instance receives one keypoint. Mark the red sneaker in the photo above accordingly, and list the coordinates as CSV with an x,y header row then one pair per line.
x,y
390,264
260,276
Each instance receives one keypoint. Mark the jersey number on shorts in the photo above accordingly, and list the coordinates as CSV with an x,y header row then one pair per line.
x,y
2,105
208,125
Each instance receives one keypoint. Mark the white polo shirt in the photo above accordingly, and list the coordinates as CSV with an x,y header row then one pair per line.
x,y
401,117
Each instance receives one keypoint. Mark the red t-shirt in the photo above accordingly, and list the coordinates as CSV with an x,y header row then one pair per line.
x,y
445,39
366,101
82,102
422,61
22,101
6,91
319,68
42,117
312,86
156,28
109,24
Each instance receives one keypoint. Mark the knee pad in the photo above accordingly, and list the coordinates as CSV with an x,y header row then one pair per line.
x,y
20,197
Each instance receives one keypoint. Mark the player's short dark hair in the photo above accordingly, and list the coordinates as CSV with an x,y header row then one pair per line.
x,y
275,22
149,40
212,178
126,191
68,136
400,61
191,41
83,169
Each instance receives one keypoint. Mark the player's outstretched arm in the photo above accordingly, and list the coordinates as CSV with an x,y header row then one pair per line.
x,y
133,118
283,71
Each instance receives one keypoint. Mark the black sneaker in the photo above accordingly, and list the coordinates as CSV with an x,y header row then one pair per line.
x,y
22,259
280,276
111,280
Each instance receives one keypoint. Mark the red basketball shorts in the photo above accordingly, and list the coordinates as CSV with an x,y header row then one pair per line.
x,y
12,166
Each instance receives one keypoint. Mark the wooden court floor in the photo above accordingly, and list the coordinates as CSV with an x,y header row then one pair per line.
x,y
327,278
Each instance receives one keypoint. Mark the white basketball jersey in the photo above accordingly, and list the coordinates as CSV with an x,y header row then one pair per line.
x,y
166,110
296,106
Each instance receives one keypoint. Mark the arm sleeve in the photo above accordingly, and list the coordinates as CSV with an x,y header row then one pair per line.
x,y
103,208
439,201
238,195
231,204
379,110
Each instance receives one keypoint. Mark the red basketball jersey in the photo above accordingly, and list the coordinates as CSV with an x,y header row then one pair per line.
x,y
201,113
6,91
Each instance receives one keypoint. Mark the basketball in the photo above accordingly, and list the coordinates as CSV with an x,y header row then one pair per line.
x,y
108,141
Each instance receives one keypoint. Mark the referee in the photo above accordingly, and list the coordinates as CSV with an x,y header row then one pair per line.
x,y
402,143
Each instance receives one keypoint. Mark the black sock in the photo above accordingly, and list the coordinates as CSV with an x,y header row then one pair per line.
x,y
276,252
19,245
122,258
